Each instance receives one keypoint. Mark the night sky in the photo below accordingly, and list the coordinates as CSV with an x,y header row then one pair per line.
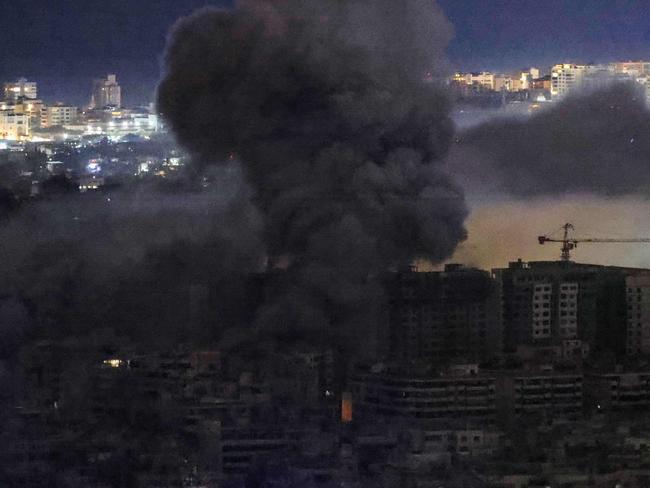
x,y
63,44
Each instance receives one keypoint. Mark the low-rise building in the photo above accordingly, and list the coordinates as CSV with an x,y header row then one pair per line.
x,y
58,115
546,394
433,397
617,391
14,126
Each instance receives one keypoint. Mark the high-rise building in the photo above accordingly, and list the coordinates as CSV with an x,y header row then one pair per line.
x,y
440,315
551,302
569,77
638,314
20,89
106,93
566,77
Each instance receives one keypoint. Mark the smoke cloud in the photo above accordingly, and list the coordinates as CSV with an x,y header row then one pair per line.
x,y
135,263
326,107
583,160
597,143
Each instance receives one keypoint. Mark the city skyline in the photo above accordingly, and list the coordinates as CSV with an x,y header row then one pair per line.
x,y
127,37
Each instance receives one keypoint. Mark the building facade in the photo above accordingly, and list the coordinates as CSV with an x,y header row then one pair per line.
x,y
14,126
20,89
622,391
441,315
433,398
638,314
566,77
58,115
551,301
634,68
551,395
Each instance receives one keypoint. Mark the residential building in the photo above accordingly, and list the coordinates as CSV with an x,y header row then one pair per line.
x,y
617,391
566,77
634,68
435,316
24,106
552,301
519,84
426,397
14,126
20,89
548,394
58,115
484,79
543,83
464,442
488,81
534,73
638,314
502,83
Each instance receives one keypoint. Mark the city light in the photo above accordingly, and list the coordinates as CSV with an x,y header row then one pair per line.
x,y
93,167
114,363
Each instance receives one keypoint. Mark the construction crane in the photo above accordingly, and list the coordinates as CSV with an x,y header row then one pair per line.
x,y
570,243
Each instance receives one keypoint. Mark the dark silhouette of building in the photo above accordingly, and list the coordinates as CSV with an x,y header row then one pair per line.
x,y
106,93
435,316
553,301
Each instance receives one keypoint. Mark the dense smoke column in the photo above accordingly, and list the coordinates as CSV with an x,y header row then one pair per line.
x,y
326,106
596,143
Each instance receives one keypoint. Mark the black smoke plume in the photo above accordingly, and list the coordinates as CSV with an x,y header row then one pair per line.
x,y
139,263
595,143
334,112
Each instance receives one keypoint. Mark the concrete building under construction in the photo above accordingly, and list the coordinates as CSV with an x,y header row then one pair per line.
x,y
435,316
553,301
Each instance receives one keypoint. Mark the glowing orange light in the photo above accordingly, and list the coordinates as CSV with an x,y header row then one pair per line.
x,y
346,408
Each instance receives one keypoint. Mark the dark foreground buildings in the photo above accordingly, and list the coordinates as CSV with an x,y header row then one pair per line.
x,y
436,316
528,376
545,302
473,315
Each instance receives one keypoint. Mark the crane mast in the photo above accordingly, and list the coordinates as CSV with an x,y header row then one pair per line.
x,y
570,243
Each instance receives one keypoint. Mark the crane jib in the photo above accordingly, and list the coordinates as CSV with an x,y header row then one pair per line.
x,y
570,243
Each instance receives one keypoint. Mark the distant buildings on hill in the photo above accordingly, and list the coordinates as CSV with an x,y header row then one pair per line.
x,y
25,117
534,86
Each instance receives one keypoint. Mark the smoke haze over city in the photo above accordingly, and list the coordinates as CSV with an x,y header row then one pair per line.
x,y
316,260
